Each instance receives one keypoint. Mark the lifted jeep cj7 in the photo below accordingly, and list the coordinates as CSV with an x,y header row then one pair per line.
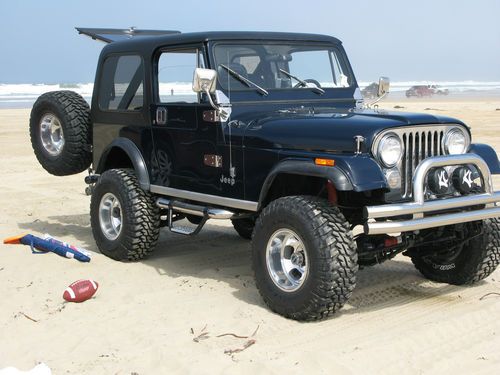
x,y
272,134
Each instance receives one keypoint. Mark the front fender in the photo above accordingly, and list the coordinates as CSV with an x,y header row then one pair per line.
x,y
135,156
364,172
488,154
350,173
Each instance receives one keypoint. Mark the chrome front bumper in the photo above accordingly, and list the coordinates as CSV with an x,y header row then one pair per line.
x,y
430,214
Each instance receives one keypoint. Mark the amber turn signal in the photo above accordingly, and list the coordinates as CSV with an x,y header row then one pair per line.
x,y
324,162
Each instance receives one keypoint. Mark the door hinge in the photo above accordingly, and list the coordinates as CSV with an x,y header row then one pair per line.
x,y
211,116
213,160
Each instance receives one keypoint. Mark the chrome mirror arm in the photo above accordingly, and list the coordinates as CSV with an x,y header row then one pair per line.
x,y
214,106
369,105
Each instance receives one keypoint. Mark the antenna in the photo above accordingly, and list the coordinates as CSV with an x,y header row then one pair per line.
x,y
232,170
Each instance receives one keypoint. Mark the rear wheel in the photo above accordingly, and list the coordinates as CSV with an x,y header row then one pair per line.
x,y
125,219
61,133
304,257
467,263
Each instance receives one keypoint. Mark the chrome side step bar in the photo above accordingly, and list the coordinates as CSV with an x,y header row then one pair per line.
x,y
191,209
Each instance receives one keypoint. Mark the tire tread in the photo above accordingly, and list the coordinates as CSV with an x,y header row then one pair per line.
x,y
336,250
140,236
75,118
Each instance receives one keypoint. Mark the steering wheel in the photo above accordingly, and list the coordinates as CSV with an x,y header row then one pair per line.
x,y
309,80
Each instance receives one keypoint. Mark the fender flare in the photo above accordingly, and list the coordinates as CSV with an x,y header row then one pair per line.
x,y
488,154
350,173
305,168
135,156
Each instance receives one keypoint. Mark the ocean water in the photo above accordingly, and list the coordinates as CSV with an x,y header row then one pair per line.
x,y
24,95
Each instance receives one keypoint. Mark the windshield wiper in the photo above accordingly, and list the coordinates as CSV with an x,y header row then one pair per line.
x,y
245,81
303,83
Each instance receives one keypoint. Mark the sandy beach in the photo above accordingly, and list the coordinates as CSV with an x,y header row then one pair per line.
x,y
146,315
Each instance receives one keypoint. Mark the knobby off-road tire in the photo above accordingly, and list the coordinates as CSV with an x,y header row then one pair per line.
x,y
330,255
244,227
61,132
125,219
474,260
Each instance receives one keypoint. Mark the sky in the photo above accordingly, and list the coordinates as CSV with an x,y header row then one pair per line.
x,y
433,40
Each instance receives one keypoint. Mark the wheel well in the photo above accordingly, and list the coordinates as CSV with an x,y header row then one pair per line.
x,y
349,202
286,184
116,158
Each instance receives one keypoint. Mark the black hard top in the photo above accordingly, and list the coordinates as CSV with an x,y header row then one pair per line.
x,y
153,42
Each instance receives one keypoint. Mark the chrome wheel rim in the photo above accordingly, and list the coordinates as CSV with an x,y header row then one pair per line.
x,y
286,259
110,216
51,134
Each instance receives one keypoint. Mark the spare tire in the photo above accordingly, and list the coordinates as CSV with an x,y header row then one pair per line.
x,y
61,133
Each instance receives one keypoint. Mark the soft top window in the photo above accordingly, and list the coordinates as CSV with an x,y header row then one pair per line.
x,y
121,86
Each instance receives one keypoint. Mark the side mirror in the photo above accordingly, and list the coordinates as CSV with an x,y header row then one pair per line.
x,y
383,86
204,80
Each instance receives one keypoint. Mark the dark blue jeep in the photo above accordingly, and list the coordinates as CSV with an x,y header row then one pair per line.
x,y
270,131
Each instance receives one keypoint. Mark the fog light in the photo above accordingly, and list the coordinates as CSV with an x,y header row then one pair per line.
x,y
463,179
393,178
438,181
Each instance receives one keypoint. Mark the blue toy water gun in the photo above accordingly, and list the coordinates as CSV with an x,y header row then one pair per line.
x,y
44,245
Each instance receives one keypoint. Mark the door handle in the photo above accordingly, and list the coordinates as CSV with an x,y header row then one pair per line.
x,y
161,116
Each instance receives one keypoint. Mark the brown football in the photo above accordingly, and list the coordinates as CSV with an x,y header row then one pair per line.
x,y
80,290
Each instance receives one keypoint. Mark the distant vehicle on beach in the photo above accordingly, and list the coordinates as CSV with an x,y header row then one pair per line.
x,y
370,91
426,90
439,90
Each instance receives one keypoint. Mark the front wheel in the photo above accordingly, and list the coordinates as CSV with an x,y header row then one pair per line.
x,y
467,263
304,257
125,219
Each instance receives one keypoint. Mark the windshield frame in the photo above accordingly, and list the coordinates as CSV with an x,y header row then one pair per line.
x,y
289,94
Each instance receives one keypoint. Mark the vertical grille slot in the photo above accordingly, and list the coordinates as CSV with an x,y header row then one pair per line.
x,y
418,145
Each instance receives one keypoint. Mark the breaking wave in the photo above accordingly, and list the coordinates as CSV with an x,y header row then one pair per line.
x,y
22,95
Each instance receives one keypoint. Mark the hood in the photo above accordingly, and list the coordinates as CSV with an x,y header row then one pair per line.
x,y
328,130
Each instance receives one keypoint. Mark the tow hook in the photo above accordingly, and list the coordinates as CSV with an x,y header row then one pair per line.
x,y
91,180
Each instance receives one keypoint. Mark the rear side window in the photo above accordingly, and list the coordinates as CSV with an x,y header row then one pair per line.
x,y
122,83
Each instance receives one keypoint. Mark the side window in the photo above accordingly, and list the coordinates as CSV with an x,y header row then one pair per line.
x,y
175,75
122,83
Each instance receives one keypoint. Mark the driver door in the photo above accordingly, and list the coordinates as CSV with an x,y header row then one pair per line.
x,y
182,140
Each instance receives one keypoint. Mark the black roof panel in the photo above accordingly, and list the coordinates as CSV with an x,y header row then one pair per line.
x,y
199,37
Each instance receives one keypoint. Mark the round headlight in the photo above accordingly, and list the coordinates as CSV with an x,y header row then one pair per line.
x,y
390,150
456,142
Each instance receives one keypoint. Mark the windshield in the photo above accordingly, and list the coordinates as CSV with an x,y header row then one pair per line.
x,y
280,66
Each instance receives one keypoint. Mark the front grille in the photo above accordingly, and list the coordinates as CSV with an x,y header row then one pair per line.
x,y
418,145
420,142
